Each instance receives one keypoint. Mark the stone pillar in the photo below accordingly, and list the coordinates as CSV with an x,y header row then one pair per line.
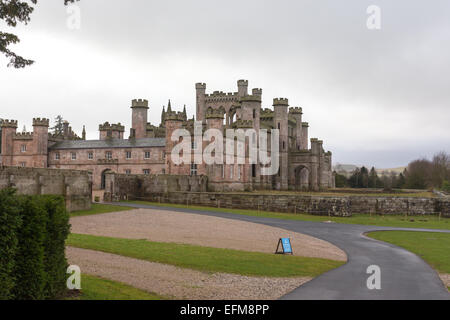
x,y
297,114
304,138
200,89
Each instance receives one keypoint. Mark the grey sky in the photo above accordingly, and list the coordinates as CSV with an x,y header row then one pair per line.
x,y
376,97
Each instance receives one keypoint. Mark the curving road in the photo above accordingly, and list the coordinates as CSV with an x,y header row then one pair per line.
x,y
404,276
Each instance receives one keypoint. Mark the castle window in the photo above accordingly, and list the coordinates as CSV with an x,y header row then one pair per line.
x,y
279,126
231,171
239,172
74,156
254,113
128,171
223,171
193,145
109,155
23,164
90,156
147,155
23,148
147,171
254,170
57,156
193,169
128,154
163,171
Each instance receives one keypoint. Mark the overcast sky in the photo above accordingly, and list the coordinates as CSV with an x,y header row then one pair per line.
x,y
376,97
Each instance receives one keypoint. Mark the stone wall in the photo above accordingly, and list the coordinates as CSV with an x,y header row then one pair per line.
x,y
317,205
123,186
74,185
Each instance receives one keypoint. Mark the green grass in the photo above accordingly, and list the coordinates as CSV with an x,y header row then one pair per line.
x,y
429,222
432,247
95,288
98,208
208,259
350,193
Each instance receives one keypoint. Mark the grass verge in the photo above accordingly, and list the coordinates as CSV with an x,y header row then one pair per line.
x,y
207,259
429,222
96,288
98,208
433,247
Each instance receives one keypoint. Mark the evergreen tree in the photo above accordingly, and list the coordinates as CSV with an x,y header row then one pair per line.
x,y
13,12
59,125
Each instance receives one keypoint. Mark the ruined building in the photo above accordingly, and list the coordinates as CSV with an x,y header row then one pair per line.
x,y
304,164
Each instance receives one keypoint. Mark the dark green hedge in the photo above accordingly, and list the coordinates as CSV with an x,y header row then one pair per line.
x,y
32,239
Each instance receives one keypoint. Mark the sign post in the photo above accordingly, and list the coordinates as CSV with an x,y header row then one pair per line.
x,y
285,244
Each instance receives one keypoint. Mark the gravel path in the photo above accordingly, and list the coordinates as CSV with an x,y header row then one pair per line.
x,y
178,283
170,226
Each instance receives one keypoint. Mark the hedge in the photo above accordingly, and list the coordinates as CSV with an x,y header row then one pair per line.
x,y
36,228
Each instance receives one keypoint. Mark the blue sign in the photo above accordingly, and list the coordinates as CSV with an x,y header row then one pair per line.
x,y
287,248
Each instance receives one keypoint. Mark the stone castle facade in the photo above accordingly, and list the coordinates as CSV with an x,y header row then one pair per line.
x,y
304,164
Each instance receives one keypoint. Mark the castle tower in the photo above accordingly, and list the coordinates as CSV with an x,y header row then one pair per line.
x,y
200,89
83,134
242,88
40,142
297,114
9,128
304,139
111,131
174,121
139,118
281,123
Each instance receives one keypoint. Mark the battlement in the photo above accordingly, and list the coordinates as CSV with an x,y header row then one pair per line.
x,y
9,123
139,103
242,82
280,102
243,124
174,116
214,113
38,122
23,136
296,110
305,124
257,92
111,127
200,86
251,98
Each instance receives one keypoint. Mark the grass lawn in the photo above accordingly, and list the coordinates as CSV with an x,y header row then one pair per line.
x,y
429,222
98,208
349,193
432,247
207,259
95,288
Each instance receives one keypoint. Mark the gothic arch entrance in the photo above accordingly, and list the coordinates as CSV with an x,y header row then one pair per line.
x,y
103,181
301,178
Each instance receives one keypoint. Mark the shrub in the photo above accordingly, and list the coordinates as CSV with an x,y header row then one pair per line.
x,y
57,230
446,186
9,225
29,268
33,230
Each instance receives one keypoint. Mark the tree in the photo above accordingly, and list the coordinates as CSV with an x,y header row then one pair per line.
x,y
341,181
13,12
418,174
373,178
59,125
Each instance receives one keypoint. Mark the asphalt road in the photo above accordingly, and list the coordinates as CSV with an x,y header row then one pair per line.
x,y
404,276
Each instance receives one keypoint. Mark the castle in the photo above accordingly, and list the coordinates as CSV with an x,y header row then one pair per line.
x,y
303,163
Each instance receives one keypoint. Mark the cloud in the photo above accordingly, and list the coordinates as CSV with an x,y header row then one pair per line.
x,y
365,93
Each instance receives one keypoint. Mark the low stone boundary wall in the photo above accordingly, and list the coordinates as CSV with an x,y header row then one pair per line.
x,y
316,205
122,186
74,185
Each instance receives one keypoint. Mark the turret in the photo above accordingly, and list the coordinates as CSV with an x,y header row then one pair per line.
x,y
200,89
297,113
9,128
304,140
139,118
40,142
281,123
174,121
242,88
111,131
214,118
251,109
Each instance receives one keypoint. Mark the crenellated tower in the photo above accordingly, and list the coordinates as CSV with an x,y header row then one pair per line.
x,y
139,118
